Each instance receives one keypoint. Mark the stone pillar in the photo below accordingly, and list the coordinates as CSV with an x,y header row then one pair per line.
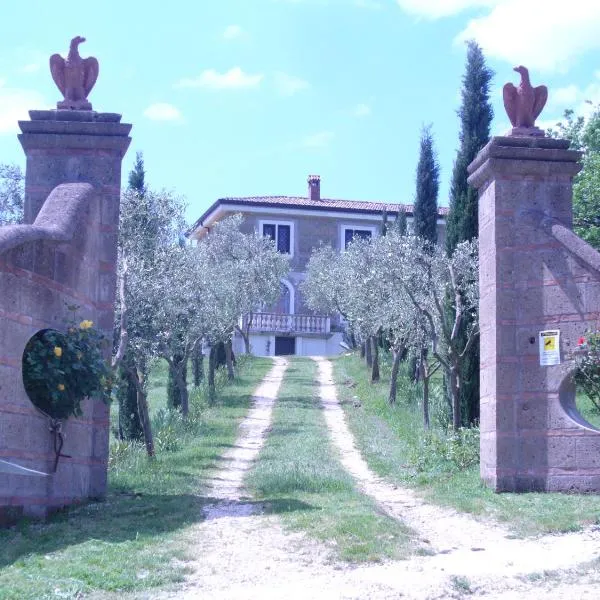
x,y
68,258
531,436
73,146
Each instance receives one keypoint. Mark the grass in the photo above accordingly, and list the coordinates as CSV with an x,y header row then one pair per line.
x,y
589,411
298,467
136,539
394,444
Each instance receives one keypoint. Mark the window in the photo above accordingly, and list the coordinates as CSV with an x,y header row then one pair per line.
x,y
349,234
281,233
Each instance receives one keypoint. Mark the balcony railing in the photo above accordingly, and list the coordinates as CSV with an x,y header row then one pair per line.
x,y
285,323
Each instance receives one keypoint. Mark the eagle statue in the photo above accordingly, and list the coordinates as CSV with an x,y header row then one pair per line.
x,y
74,76
524,104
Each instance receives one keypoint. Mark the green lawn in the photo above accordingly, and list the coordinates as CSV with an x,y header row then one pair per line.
x,y
298,468
394,444
136,539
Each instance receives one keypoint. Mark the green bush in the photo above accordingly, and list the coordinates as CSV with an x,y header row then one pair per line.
x,y
62,369
439,451
587,360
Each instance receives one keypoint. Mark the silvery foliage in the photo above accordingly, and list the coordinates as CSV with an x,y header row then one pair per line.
x,y
178,294
239,272
398,284
12,193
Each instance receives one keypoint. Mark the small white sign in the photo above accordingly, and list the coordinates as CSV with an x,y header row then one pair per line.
x,y
549,347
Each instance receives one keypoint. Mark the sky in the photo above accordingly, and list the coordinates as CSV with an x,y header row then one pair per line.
x,y
248,97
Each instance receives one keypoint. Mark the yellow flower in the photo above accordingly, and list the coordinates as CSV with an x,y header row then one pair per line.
x,y
57,351
61,387
85,324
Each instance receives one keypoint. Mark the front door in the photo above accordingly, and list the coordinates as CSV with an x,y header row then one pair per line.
x,y
285,346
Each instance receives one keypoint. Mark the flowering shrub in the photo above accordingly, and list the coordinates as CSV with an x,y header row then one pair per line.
x,y
587,372
61,369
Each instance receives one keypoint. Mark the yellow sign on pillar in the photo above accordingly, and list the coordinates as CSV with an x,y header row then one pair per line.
x,y
549,347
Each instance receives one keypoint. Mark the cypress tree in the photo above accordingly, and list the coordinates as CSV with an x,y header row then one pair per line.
x,y
137,175
400,225
475,115
130,427
425,210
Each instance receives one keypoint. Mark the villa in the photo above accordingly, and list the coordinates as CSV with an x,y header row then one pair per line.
x,y
297,224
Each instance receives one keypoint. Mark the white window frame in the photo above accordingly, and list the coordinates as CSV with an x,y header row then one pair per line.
x,y
277,222
353,226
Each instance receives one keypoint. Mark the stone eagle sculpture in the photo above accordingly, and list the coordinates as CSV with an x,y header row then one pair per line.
x,y
74,76
524,104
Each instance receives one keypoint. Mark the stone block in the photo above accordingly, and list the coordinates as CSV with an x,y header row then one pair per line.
x,y
588,451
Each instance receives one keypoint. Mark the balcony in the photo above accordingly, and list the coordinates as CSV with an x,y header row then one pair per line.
x,y
286,323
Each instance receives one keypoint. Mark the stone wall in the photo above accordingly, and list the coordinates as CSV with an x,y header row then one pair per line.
x,y
535,275
65,254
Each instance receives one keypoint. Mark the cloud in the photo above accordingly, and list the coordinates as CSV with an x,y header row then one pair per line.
x,y
564,96
234,79
288,85
161,111
31,68
15,104
370,4
361,110
547,35
436,9
232,32
322,139
541,34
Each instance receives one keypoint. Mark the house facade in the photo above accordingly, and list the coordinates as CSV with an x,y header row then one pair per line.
x,y
298,224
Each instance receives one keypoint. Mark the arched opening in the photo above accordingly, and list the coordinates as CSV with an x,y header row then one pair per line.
x,y
285,304
578,405
41,370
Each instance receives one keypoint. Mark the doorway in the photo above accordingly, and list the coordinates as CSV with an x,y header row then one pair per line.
x,y
285,346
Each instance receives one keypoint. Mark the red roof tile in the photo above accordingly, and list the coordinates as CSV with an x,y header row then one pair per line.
x,y
321,204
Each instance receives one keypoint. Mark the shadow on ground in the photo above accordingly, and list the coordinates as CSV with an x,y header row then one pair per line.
x,y
124,517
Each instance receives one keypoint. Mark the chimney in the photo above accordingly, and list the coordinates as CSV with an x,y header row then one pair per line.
x,y
314,187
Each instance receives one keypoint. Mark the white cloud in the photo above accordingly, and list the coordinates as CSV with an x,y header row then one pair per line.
x,y
232,32
233,79
322,139
15,104
288,85
31,68
564,96
161,111
541,34
361,110
435,9
370,4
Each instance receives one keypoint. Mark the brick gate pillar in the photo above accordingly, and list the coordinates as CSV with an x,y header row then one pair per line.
x,y
531,435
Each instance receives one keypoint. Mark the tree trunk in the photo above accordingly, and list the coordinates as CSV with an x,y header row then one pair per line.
x,y
180,377
424,372
229,360
368,354
362,350
394,376
375,358
198,364
454,390
176,390
143,412
245,336
211,374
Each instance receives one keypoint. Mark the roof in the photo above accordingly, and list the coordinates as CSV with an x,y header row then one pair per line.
x,y
327,204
